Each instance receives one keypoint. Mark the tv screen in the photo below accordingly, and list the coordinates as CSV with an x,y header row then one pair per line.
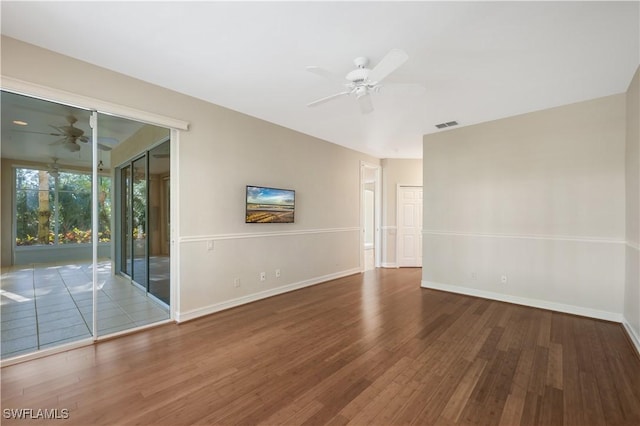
x,y
270,205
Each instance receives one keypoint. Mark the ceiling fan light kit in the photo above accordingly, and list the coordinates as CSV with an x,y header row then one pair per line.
x,y
72,146
54,168
362,81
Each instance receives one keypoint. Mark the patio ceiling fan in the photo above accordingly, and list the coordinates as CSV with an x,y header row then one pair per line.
x,y
71,135
362,81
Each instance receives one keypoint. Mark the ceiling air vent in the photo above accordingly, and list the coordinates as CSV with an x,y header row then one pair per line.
x,y
447,124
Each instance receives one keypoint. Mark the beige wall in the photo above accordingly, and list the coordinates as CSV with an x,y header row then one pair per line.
x,y
632,283
395,172
539,198
221,153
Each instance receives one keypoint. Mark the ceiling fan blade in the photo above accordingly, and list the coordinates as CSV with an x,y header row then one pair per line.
x,y
326,99
326,74
391,62
38,133
366,106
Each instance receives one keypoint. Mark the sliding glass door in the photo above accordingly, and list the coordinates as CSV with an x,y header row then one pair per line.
x,y
47,293
58,229
144,215
139,217
159,221
125,220
133,214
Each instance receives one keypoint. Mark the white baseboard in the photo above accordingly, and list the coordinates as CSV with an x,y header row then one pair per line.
x,y
535,303
388,265
207,310
633,335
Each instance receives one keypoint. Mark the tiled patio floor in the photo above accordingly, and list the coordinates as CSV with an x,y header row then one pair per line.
x,y
46,305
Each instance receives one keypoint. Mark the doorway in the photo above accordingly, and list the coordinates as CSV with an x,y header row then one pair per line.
x,y
370,216
144,218
409,214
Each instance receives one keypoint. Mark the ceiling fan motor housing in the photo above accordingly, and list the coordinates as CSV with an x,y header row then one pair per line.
x,y
73,131
358,75
361,91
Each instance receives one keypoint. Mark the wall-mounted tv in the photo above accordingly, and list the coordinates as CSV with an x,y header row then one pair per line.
x,y
270,205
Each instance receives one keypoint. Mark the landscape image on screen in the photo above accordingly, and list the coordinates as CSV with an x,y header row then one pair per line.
x,y
270,205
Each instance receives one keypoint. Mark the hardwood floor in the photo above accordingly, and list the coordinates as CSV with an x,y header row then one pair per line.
x,y
366,349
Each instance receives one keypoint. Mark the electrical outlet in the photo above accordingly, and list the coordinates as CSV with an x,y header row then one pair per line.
x,y
236,282
473,276
209,245
277,273
263,276
503,279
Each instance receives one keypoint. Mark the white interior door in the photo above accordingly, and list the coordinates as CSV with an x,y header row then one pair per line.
x,y
409,245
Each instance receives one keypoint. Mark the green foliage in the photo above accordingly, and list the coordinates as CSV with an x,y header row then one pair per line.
x,y
71,237
139,205
26,241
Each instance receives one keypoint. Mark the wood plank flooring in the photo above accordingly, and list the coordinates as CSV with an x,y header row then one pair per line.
x,y
372,349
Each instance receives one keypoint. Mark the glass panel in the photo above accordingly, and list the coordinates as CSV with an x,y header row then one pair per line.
x,y
55,208
121,305
74,204
35,218
52,207
119,302
159,168
139,220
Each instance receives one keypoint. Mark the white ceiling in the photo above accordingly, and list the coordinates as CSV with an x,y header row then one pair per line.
x,y
478,61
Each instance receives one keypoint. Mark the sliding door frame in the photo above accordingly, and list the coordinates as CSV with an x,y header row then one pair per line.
x,y
60,96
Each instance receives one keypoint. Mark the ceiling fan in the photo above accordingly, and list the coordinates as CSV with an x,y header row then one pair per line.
x,y
71,135
362,81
